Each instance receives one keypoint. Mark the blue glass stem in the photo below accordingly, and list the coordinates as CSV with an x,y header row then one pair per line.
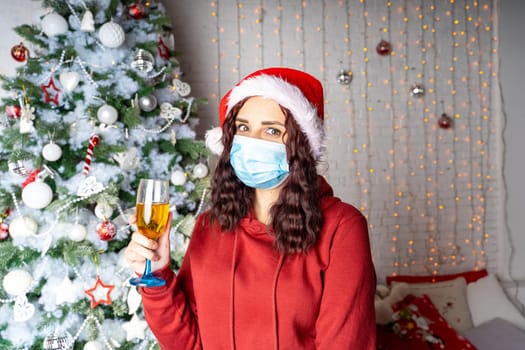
x,y
147,268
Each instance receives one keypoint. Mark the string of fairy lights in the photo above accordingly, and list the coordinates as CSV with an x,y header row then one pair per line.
x,y
420,137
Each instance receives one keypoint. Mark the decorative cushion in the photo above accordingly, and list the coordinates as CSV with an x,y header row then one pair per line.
x,y
487,300
449,297
496,334
470,276
417,324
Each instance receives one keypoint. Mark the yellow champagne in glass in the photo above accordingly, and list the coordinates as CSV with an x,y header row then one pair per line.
x,y
152,218
152,224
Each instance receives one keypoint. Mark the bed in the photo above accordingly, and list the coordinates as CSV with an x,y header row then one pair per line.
x,y
469,310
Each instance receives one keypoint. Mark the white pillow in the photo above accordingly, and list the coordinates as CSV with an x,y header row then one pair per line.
x,y
487,300
449,297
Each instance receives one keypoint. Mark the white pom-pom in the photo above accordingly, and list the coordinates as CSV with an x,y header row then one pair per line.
x,y
213,139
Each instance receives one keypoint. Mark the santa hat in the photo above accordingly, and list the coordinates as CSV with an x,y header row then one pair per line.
x,y
295,90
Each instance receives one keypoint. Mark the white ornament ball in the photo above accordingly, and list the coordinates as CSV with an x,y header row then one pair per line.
x,y
17,282
77,233
37,195
111,35
51,152
148,103
103,210
200,170
107,114
93,345
22,226
178,178
54,24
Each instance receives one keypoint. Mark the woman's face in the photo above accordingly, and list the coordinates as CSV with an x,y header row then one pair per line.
x,y
261,118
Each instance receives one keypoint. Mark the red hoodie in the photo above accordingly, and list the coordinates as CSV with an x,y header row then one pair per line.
x,y
235,291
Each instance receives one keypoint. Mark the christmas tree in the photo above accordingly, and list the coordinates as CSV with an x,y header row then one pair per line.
x,y
97,103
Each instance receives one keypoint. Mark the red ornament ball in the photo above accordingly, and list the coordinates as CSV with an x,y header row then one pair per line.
x,y
13,111
4,231
384,48
106,230
20,52
136,11
445,122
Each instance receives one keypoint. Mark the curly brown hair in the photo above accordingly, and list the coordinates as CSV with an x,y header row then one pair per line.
x,y
296,216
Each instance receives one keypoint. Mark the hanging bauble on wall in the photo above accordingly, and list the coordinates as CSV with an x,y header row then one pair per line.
x,y
22,227
51,152
417,91
200,170
19,52
17,282
57,341
383,48
107,114
143,61
106,230
54,24
111,35
77,233
37,194
445,122
344,77
69,80
148,103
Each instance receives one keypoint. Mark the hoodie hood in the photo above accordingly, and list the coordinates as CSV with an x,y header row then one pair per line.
x,y
326,194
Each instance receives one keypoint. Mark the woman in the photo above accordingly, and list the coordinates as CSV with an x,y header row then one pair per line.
x,y
278,262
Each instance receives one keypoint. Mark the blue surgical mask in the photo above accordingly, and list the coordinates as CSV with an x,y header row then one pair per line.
x,y
259,163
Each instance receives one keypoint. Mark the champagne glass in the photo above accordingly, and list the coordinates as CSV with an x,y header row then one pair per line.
x,y
152,218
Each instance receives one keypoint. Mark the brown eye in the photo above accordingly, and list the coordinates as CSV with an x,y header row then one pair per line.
x,y
242,128
273,132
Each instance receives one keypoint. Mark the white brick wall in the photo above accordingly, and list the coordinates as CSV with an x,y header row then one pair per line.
x,y
375,116
325,36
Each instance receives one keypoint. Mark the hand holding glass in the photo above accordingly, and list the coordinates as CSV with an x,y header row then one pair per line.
x,y
152,218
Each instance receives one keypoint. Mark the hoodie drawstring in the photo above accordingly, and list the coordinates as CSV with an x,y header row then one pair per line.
x,y
232,282
274,302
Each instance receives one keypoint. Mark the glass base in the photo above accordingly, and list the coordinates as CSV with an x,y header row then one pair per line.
x,y
147,279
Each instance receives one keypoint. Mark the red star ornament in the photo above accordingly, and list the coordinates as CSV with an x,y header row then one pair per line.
x,y
98,291
163,49
51,85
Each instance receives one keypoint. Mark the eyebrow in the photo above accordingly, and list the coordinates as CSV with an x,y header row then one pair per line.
x,y
241,120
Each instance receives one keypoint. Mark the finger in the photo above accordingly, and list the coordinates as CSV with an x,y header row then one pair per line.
x,y
144,241
132,219
139,253
164,240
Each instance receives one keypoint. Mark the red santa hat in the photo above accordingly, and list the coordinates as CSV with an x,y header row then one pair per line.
x,y
295,90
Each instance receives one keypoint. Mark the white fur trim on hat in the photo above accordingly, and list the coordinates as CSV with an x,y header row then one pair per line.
x,y
289,96
213,140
